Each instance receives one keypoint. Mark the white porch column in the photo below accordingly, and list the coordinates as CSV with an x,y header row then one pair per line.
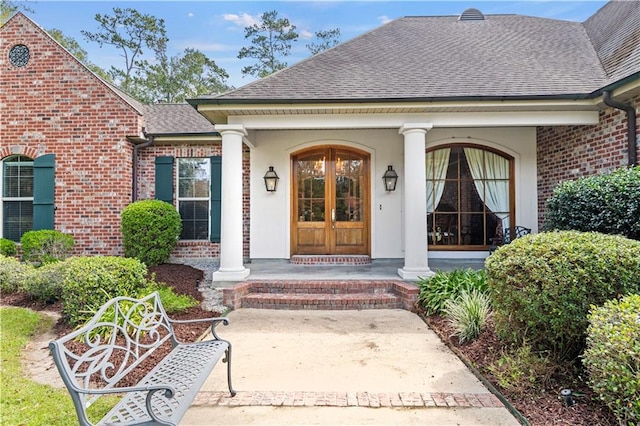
x,y
415,202
231,259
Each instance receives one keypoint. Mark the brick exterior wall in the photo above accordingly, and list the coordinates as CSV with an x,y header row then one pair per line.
x,y
195,149
568,152
54,105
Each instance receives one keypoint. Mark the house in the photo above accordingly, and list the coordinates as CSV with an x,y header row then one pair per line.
x,y
478,116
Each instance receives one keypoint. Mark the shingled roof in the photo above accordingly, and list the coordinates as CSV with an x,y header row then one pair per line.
x,y
444,57
175,119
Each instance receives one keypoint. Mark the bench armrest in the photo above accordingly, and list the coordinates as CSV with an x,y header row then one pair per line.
x,y
214,323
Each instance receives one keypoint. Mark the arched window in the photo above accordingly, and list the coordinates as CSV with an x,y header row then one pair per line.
x,y
17,196
469,196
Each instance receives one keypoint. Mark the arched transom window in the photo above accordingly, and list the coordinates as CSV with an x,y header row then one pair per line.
x,y
469,196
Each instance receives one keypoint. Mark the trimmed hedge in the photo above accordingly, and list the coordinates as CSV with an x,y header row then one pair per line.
x,y
542,286
46,246
12,274
612,357
150,230
89,282
608,203
8,247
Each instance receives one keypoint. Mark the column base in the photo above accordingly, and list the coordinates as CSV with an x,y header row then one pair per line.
x,y
414,274
231,275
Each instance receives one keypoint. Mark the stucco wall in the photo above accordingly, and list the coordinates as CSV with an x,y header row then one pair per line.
x,y
270,216
53,105
569,152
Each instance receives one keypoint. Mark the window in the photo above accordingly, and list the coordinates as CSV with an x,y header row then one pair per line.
x,y
17,196
469,196
194,184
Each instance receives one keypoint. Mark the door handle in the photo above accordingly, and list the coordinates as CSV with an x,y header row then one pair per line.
x,y
333,218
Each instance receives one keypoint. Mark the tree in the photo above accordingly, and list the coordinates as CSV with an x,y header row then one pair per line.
x,y
131,32
80,54
271,40
8,8
324,40
180,77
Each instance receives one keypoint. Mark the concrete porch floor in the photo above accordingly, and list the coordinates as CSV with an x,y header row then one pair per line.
x,y
379,269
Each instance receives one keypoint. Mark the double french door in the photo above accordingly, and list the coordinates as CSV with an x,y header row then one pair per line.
x,y
330,201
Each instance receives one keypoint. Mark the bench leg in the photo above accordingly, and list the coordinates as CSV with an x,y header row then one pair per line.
x,y
227,359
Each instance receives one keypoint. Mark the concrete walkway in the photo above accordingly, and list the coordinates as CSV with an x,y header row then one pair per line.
x,y
341,367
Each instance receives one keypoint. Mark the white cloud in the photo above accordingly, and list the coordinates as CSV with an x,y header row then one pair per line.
x,y
191,14
244,20
306,35
384,19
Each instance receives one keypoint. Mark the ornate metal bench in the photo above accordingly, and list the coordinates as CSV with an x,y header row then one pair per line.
x,y
122,334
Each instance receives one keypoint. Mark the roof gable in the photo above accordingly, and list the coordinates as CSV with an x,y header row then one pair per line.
x,y
20,19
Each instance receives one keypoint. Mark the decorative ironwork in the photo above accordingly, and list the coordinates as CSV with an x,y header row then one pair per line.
x,y
19,55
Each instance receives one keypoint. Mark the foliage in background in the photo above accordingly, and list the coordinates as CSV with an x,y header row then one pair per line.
x,y
608,203
131,32
436,290
150,230
23,401
271,40
89,282
46,246
324,40
612,356
8,247
521,370
541,286
12,274
468,313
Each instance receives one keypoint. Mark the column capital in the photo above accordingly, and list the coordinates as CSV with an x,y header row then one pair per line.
x,y
231,129
415,128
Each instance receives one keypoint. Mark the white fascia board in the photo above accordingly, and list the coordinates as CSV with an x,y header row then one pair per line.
x,y
373,121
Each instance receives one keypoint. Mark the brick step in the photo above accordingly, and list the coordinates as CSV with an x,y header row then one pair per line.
x,y
322,287
352,301
297,294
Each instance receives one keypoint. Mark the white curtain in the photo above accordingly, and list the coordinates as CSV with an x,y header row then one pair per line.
x,y
437,163
491,178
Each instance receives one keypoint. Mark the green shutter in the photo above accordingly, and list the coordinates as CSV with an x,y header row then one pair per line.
x,y
216,198
43,191
164,179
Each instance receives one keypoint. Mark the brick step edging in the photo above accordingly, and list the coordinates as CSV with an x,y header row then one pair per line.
x,y
321,301
347,399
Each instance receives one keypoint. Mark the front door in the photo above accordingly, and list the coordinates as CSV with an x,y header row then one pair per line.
x,y
330,201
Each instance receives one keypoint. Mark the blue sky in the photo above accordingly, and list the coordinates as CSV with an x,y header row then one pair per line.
x,y
217,27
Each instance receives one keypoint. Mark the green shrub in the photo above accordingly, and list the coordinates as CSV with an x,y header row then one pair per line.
x,y
172,302
541,286
46,246
521,370
150,230
609,204
436,290
468,314
12,274
89,282
612,357
46,282
8,247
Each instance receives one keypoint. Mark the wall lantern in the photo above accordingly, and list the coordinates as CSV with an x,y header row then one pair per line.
x,y
390,179
271,180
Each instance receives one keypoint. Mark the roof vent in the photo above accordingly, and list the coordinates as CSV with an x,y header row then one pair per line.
x,y
471,14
